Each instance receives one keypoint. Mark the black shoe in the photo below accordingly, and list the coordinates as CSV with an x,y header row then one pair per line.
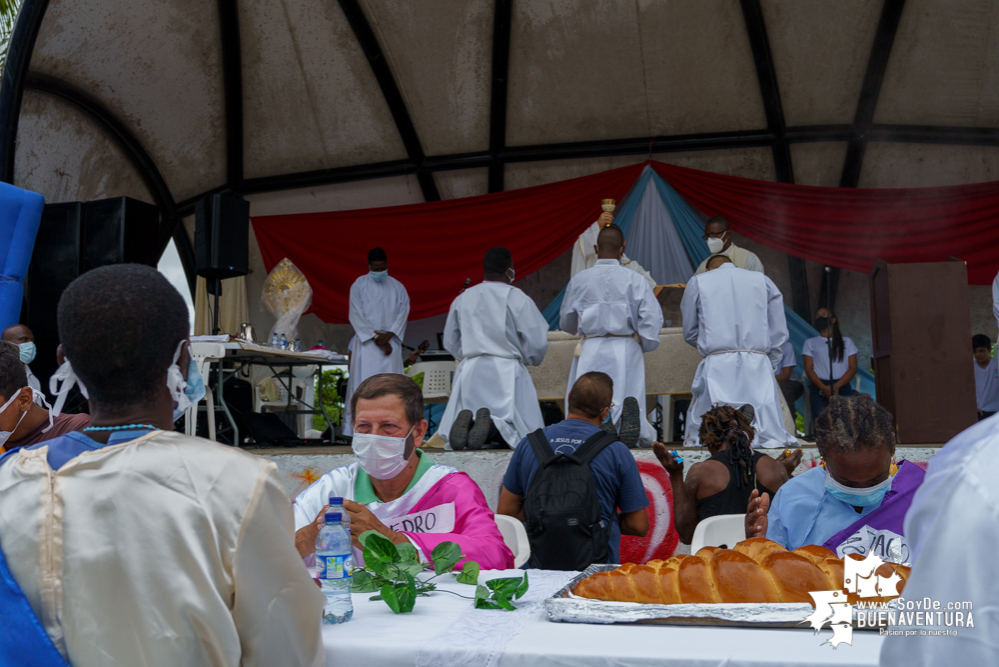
x,y
479,432
608,427
458,437
631,425
748,411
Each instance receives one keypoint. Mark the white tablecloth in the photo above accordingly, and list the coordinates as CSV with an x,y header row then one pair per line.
x,y
445,630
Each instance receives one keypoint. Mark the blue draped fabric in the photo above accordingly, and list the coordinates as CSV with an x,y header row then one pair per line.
x,y
20,215
691,230
622,217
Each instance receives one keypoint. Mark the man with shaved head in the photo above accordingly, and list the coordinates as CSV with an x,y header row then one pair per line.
x,y
617,316
719,240
615,473
735,319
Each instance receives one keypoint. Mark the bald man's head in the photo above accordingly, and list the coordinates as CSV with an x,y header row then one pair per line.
x,y
610,242
715,261
591,395
17,334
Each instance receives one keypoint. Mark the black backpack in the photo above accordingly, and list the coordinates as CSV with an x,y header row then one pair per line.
x,y
562,509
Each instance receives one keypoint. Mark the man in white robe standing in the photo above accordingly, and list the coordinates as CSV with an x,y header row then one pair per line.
x,y
584,256
379,308
719,240
735,319
619,319
495,331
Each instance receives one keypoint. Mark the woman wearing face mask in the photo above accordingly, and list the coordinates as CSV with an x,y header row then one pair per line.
x,y
827,377
856,501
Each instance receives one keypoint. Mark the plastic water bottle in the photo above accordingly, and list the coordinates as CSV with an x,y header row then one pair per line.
x,y
284,342
336,505
334,561
298,345
274,341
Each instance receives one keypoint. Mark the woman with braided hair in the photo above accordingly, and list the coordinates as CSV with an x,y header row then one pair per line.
x,y
856,501
723,483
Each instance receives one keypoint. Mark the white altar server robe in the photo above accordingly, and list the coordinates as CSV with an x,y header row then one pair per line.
x,y
950,529
495,331
735,319
617,314
161,551
584,256
374,307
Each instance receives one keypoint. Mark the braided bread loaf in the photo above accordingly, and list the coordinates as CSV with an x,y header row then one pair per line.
x,y
756,570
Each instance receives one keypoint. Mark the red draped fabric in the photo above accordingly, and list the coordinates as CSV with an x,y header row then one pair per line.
x,y
852,228
433,247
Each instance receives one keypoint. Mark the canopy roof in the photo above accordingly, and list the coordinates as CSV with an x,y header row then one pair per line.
x,y
166,100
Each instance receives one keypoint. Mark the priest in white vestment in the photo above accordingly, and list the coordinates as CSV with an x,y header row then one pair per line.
x,y
618,317
735,319
719,240
379,309
495,331
394,487
584,256
131,544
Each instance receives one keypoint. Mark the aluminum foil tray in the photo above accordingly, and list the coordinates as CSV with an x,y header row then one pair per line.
x,y
564,607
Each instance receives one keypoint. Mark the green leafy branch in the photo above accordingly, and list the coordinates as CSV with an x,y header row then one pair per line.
x,y
391,570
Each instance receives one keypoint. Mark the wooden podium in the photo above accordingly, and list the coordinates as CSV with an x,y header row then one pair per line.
x,y
921,343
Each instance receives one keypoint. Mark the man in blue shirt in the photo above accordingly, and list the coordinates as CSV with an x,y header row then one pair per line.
x,y
615,472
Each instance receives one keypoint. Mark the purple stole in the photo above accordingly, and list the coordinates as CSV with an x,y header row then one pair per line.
x,y
881,531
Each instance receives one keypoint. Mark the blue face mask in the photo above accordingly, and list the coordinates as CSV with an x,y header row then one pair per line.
x,y
870,496
185,394
27,352
378,276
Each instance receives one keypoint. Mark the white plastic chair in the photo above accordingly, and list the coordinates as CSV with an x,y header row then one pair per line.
x,y
204,354
727,529
437,376
515,537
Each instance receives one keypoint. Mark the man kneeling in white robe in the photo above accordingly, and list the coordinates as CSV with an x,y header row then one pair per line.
x,y
396,489
493,329
735,319
619,319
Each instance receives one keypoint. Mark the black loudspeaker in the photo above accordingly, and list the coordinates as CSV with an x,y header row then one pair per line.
x,y
221,233
55,263
120,230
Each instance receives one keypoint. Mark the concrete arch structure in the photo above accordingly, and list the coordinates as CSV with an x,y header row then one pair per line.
x,y
330,104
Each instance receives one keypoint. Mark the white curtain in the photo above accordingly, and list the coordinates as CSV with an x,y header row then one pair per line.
x,y
654,242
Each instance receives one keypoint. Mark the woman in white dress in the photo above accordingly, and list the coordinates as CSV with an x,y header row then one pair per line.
x,y
826,379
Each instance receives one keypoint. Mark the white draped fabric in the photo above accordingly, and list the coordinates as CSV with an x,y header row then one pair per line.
x,y
495,331
374,307
584,256
619,318
654,242
735,319
165,550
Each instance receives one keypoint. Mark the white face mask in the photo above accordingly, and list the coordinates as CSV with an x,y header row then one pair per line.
x,y
715,246
5,435
381,456
67,378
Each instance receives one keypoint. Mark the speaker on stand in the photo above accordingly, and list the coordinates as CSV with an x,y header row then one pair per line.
x,y
221,250
221,245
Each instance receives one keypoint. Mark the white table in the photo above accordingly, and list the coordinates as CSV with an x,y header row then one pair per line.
x,y
445,630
